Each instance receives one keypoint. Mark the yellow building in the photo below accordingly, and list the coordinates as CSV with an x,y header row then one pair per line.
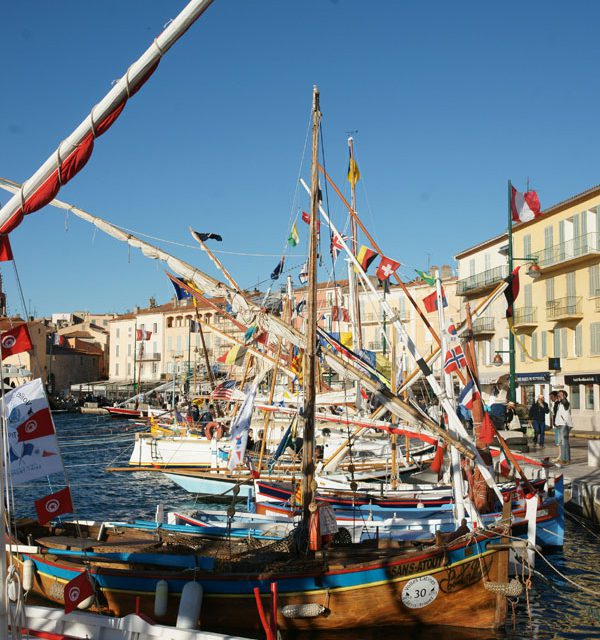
x,y
557,316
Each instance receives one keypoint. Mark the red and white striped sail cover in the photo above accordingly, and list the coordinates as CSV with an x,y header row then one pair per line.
x,y
524,206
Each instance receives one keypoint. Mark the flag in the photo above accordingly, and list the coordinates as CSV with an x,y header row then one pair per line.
x,y
385,284
455,360
250,331
15,340
303,275
353,172
451,327
299,307
386,267
194,326
254,472
365,257
77,590
339,313
524,206
430,280
57,339
504,466
430,301
240,428
306,218
467,395
53,505
140,334
224,391
278,269
235,355
293,238
38,425
512,291
487,431
336,244
6,253
207,236
180,292
438,458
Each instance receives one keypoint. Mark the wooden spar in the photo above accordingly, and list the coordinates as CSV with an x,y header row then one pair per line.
x,y
215,260
394,390
310,353
478,406
211,377
109,106
411,347
416,373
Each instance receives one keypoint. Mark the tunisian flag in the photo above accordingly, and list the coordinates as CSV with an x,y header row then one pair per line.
x,y
524,206
77,590
54,505
15,340
36,426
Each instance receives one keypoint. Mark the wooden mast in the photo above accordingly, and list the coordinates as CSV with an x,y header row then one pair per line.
x,y
310,355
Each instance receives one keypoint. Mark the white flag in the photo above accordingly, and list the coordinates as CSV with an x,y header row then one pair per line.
x,y
240,428
38,457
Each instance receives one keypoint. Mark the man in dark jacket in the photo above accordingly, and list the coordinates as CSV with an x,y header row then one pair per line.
x,y
537,415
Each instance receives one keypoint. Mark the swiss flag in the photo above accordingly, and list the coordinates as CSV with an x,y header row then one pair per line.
x,y
38,425
6,253
77,591
386,268
15,340
53,505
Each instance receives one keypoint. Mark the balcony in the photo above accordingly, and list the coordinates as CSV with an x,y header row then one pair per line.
x,y
525,317
374,318
483,326
149,357
481,281
569,308
569,252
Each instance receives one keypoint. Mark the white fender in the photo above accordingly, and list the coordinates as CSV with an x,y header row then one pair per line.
x,y
28,574
189,606
161,598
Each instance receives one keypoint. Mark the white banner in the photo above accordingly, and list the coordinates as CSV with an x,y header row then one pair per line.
x,y
34,458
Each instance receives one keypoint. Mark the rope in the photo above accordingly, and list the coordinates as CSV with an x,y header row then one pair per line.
x,y
16,614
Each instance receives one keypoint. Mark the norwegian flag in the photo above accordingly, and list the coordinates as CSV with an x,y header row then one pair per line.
x,y
54,505
386,268
468,395
77,590
224,391
36,426
15,340
455,360
336,244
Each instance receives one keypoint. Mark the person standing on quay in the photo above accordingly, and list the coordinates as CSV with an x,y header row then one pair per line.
x,y
553,410
537,415
562,422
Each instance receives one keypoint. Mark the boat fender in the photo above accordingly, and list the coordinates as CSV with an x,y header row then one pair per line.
x,y
161,598
189,606
312,610
213,429
28,574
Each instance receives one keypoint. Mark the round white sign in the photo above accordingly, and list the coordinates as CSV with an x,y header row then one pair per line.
x,y
419,592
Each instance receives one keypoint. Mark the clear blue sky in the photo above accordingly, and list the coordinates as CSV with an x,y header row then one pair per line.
x,y
450,99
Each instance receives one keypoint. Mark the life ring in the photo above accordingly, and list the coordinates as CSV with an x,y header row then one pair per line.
x,y
213,429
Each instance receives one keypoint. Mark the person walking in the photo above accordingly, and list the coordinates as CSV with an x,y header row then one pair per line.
x,y
562,422
537,415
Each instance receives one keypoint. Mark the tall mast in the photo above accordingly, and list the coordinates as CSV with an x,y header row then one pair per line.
x,y
310,355
353,177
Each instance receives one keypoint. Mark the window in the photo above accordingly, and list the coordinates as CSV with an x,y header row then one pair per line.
x,y
549,290
487,261
527,296
571,290
129,368
526,246
594,277
178,343
548,242
544,345
128,349
154,368
564,351
575,397
578,342
155,328
154,347
595,338
117,370
556,340
472,267
589,396
118,333
534,345
117,351
521,349
169,322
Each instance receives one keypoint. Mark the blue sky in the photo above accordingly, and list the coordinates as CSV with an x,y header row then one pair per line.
x,y
449,101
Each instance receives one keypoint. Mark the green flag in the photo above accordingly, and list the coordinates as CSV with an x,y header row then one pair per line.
x,y
425,276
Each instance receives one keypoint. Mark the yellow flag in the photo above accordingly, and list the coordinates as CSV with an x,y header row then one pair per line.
x,y
353,172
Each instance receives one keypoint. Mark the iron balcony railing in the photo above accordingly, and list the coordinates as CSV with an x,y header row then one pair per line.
x,y
482,280
483,325
366,317
149,356
588,244
525,315
568,307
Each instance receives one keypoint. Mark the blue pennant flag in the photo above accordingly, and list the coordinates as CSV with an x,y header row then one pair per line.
x,y
278,269
180,292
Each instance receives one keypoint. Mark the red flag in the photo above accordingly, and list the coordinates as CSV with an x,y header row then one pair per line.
x,y
430,301
512,291
455,360
386,267
487,431
77,590
438,459
36,426
306,218
524,206
15,340
6,253
54,505
139,334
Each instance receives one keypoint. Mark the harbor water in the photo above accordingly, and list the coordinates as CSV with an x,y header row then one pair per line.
x,y
89,444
